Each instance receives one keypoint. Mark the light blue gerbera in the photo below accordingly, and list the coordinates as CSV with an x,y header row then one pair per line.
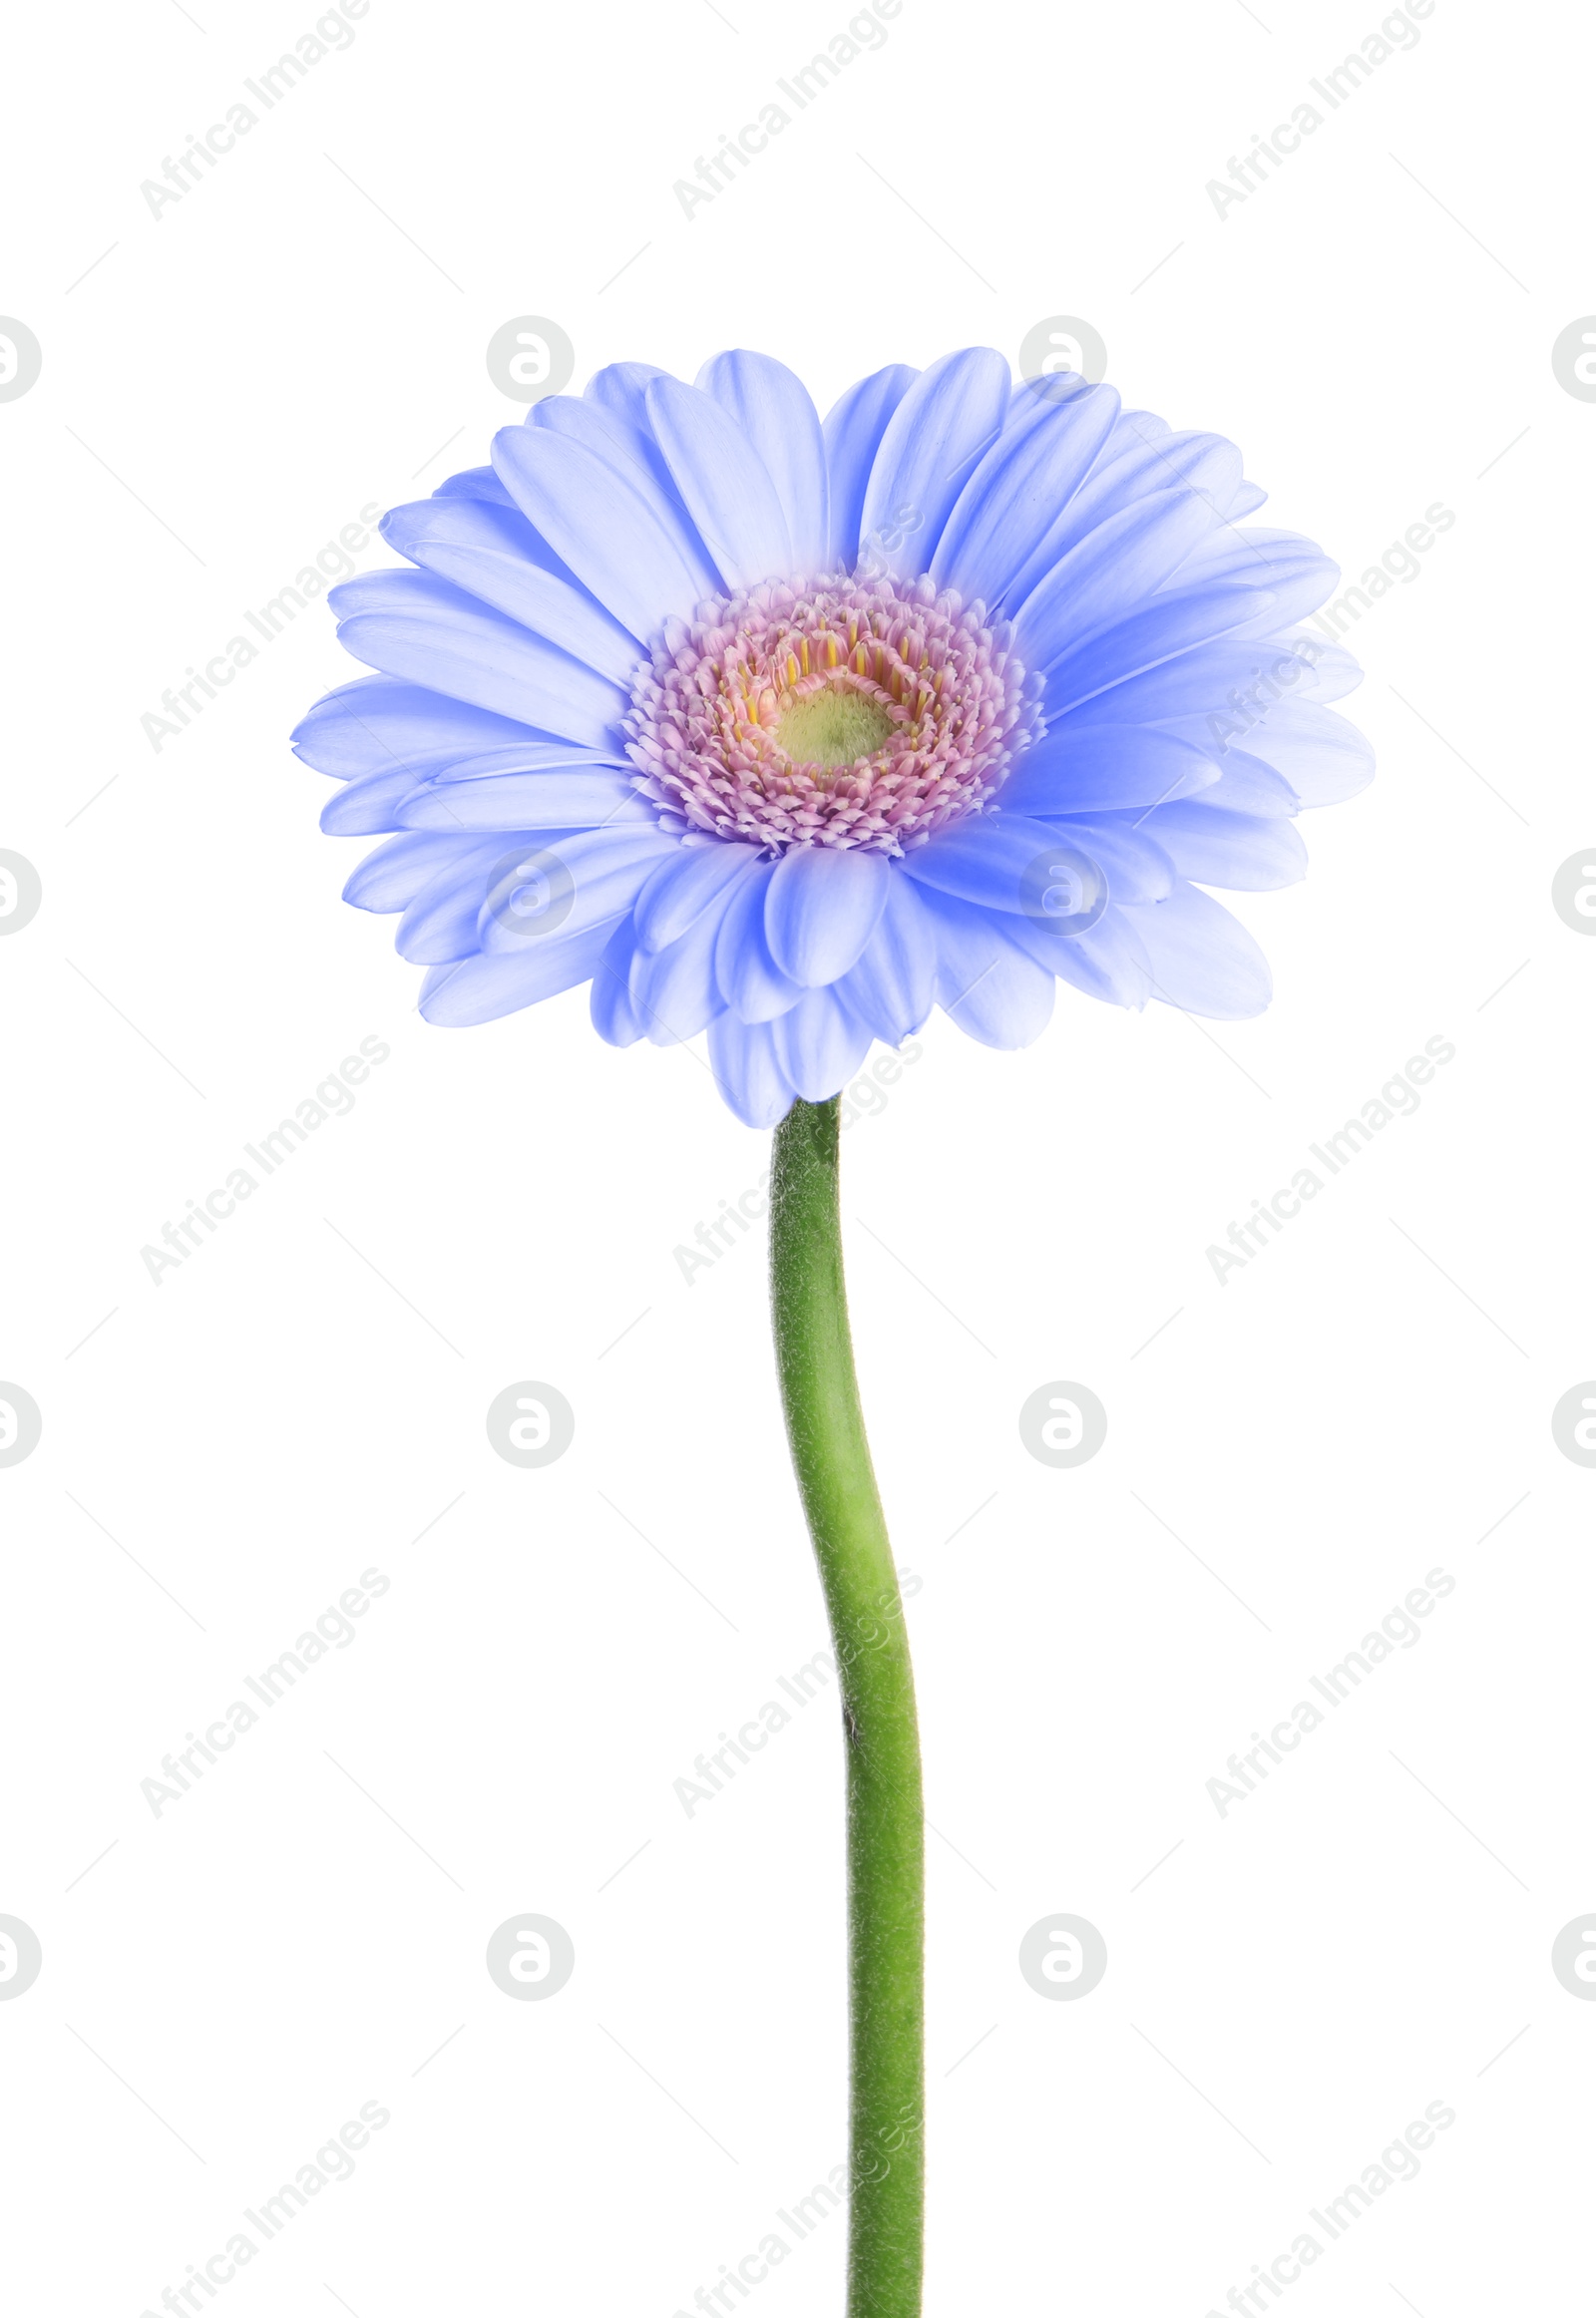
x,y
790,732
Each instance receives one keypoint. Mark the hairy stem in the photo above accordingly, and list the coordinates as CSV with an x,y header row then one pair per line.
x,y
886,1835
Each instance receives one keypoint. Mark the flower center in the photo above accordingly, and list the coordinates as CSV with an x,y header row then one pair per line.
x,y
849,712
832,727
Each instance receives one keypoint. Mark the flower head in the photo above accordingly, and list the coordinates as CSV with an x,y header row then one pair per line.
x,y
791,732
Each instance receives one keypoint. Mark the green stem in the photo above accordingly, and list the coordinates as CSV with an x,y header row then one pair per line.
x,y
886,1833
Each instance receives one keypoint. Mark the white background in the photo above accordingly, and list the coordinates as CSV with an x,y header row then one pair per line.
x,y
228,1451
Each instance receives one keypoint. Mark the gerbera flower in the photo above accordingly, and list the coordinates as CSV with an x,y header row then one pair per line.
x,y
792,731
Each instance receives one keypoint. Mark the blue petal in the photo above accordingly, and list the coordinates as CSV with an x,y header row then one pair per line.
x,y
1293,570
771,405
392,877
943,426
1138,868
673,990
409,624
747,976
1324,758
608,525
743,1058
1247,785
475,483
985,858
571,799
1240,849
1149,454
614,1017
1105,768
372,725
441,923
1202,464
493,554
730,498
370,802
1203,961
819,1045
618,389
1165,629
620,437
1332,668
686,884
984,981
604,869
1134,430
893,985
480,989
1113,572
821,908
529,756
1196,685
1013,499
1298,584
1107,961
617,398
853,430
